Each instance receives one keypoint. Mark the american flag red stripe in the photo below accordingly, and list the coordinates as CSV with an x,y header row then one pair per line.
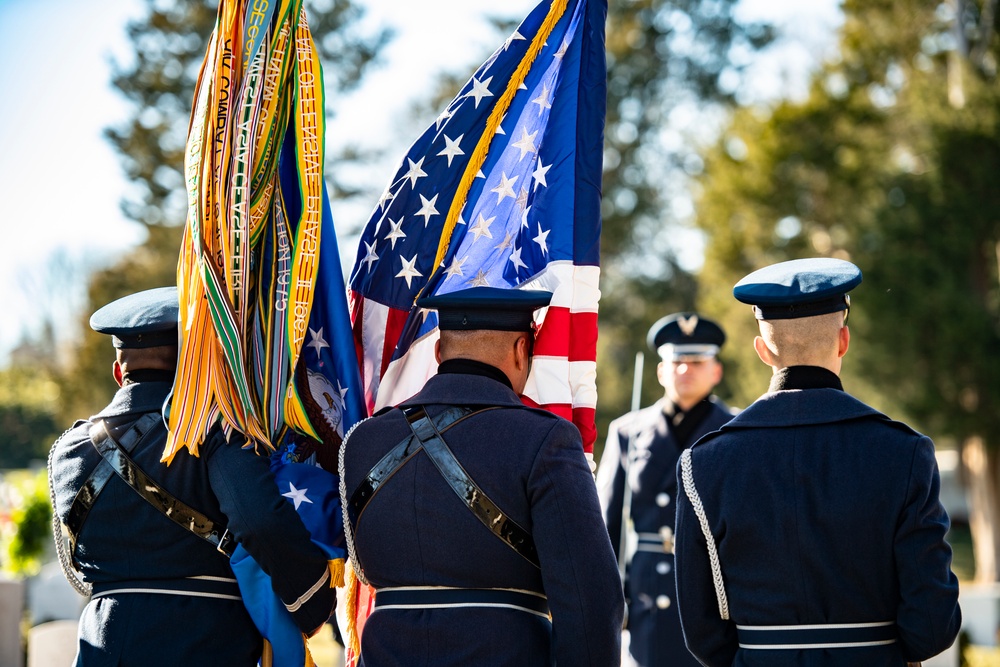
x,y
568,334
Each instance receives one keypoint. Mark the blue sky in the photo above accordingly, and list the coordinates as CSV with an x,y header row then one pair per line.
x,y
61,182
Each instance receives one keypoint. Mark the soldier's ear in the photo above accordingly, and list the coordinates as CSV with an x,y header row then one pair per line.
x,y
116,370
763,351
844,341
523,348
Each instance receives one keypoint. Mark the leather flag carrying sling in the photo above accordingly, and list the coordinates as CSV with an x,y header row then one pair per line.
x,y
95,483
427,436
116,459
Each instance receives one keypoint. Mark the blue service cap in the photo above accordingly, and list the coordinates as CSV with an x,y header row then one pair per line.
x,y
684,336
799,288
143,319
491,308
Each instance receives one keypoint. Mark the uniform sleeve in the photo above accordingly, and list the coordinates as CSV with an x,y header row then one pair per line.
x,y
928,617
708,637
611,485
579,571
268,527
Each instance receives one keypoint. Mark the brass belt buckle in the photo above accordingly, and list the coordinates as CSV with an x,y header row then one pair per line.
x,y
667,535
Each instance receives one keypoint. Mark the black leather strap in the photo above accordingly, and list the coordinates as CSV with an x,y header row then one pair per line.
x,y
425,430
102,472
184,516
393,461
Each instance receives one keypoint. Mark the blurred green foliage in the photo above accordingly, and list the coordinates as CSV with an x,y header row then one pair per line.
x,y
663,56
25,532
29,415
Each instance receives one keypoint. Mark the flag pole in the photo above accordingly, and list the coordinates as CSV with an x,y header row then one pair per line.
x,y
627,493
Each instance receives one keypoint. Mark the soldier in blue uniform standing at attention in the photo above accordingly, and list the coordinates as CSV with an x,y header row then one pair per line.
x,y
809,529
642,520
163,592
476,517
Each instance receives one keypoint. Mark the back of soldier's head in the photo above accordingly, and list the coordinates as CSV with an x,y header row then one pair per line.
x,y
801,307
143,328
804,341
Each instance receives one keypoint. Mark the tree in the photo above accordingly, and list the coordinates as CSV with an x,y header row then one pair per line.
x,y
890,163
170,44
663,58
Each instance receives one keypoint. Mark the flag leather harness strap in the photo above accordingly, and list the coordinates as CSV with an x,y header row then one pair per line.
x,y
426,435
117,461
440,597
798,637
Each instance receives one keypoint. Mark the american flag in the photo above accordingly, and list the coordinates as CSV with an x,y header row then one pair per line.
x,y
503,189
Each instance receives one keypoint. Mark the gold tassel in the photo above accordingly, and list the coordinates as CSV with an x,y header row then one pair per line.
x,y
337,573
309,658
353,641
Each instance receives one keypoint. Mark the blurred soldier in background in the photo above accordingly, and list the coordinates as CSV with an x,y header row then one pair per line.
x,y
152,543
809,530
643,448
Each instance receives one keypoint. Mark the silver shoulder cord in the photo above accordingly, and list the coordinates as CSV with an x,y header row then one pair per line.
x,y
348,530
80,586
687,477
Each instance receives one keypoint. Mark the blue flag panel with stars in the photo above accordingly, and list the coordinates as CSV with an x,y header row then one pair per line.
x,y
515,220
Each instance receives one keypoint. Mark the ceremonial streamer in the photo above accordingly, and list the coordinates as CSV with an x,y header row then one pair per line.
x,y
247,270
258,274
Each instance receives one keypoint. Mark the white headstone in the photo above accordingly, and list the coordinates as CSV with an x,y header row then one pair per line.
x,y
52,644
11,612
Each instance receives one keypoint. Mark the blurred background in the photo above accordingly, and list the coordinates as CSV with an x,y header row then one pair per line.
x,y
739,133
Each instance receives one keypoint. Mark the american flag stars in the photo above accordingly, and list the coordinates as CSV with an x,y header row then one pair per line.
x,y
433,170
451,149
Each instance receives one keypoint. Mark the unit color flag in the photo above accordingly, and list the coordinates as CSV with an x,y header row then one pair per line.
x,y
266,343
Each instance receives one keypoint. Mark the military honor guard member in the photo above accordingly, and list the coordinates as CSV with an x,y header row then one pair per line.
x,y
152,542
643,447
809,529
475,517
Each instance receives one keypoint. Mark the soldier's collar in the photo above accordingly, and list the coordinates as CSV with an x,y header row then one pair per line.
x,y
805,377
472,367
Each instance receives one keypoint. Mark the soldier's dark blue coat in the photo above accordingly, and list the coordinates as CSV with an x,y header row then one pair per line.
x,y
654,626
125,541
825,511
417,532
